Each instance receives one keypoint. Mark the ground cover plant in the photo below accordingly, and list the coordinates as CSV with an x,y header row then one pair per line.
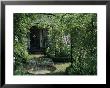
x,y
69,44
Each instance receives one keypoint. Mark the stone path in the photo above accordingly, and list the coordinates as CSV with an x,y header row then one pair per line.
x,y
39,65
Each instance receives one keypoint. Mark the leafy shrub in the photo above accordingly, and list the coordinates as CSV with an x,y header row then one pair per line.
x,y
84,49
70,35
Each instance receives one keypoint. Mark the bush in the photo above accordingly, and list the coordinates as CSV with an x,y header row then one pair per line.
x,y
70,35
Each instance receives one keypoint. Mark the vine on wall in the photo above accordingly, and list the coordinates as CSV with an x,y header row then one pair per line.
x,y
72,35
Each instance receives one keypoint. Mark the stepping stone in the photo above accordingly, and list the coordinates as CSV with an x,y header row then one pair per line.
x,y
38,72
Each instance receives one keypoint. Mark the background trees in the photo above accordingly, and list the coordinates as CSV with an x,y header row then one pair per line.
x,y
71,37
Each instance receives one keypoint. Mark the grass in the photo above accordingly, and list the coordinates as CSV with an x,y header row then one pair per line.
x,y
58,68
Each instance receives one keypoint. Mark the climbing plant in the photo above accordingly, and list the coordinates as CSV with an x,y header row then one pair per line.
x,y
71,36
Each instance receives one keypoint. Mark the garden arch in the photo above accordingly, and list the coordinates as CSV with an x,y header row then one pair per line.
x,y
37,39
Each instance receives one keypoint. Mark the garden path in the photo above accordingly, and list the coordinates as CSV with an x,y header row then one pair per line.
x,y
40,65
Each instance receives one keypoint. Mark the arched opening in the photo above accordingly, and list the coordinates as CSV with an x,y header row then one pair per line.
x,y
37,40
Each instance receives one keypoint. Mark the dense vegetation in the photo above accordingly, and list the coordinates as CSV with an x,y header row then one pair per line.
x,y
71,37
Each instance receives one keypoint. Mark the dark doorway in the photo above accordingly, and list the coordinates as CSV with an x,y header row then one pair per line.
x,y
35,40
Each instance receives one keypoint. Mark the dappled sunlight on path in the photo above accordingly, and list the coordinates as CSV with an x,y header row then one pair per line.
x,y
40,65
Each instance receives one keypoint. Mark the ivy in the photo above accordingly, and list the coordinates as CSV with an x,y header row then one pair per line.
x,y
71,35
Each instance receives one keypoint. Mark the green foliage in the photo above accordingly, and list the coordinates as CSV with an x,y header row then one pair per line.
x,y
70,35
84,43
